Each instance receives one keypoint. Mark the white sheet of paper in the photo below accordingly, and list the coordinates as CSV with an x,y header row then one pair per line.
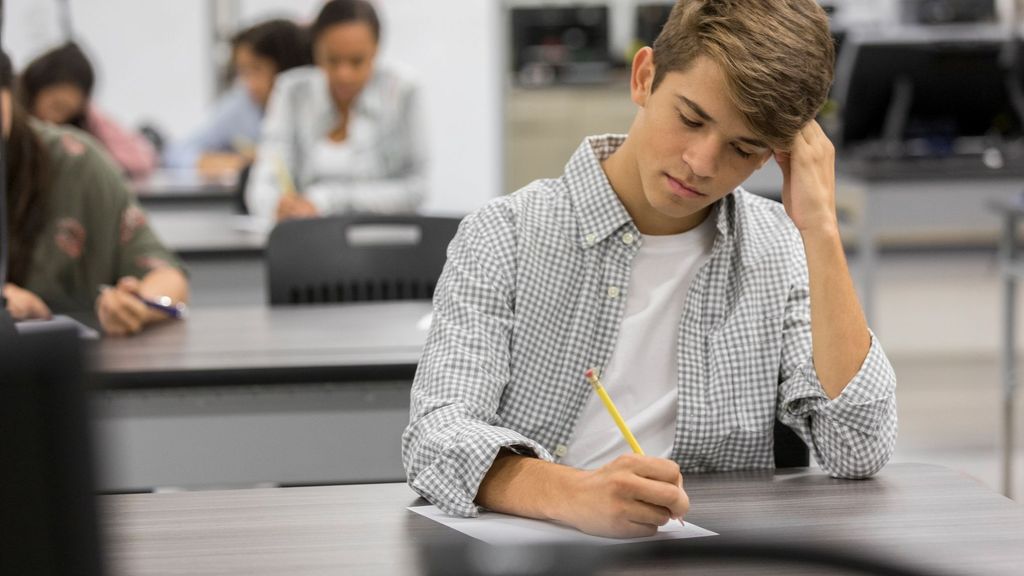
x,y
495,528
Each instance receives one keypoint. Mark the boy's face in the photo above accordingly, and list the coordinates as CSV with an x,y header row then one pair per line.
x,y
693,145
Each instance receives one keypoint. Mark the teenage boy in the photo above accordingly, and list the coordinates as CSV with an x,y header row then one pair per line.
x,y
708,311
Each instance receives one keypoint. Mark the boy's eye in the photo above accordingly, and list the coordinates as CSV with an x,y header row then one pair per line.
x,y
695,124
690,123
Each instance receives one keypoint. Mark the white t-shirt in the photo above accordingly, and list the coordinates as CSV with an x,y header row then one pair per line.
x,y
642,376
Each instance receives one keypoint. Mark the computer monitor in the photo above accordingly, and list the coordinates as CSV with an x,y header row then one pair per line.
x,y
947,11
560,45
934,94
650,19
47,505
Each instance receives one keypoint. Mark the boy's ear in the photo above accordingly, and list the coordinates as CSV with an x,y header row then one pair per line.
x,y
642,76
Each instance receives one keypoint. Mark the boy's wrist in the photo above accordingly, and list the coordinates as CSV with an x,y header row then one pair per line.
x,y
826,230
562,490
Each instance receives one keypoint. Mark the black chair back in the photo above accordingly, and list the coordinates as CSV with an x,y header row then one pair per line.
x,y
357,258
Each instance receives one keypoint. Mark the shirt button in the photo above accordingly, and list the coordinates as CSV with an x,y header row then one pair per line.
x,y
628,238
613,291
561,450
591,238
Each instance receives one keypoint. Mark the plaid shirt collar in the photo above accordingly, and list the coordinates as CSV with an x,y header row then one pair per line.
x,y
600,213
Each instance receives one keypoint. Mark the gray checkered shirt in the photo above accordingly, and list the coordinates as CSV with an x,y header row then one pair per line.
x,y
533,294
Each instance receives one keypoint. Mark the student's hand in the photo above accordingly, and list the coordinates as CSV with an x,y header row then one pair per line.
x,y
809,180
295,206
24,305
627,498
120,311
218,164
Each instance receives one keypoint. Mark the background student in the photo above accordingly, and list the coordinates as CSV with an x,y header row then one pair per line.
x,y
57,87
345,133
226,143
74,227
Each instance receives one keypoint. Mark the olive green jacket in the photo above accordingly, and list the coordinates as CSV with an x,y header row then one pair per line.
x,y
96,232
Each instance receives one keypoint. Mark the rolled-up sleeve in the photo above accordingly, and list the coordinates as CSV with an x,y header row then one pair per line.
x,y
455,431
854,434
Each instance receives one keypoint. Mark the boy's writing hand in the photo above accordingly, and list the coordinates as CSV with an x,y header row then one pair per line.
x,y
627,498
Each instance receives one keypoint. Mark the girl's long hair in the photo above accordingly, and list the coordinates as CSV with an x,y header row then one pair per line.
x,y
28,185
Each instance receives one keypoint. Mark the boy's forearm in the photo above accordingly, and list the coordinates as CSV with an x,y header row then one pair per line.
x,y
839,331
526,486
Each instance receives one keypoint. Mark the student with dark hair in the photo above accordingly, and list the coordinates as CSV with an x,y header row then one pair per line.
x,y
345,133
57,87
75,228
226,142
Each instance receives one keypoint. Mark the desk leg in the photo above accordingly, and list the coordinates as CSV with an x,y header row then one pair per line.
x,y
1009,249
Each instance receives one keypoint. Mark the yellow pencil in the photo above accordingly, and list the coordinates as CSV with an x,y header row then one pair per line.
x,y
284,177
591,376
626,433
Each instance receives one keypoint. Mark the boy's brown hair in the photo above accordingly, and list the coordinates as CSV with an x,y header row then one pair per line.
x,y
777,57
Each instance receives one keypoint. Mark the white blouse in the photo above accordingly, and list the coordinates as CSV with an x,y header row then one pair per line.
x,y
379,167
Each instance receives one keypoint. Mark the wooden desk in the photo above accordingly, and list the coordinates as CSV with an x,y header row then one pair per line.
x,y
247,395
264,345
925,515
209,233
185,186
223,253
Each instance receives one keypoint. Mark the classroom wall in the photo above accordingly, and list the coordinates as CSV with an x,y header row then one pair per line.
x,y
151,58
155,64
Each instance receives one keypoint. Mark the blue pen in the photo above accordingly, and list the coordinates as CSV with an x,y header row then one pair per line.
x,y
163,304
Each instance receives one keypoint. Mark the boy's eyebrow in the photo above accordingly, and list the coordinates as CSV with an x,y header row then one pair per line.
x,y
696,108
707,118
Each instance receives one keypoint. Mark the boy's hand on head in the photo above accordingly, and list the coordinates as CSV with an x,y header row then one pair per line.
x,y
627,498
809,180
